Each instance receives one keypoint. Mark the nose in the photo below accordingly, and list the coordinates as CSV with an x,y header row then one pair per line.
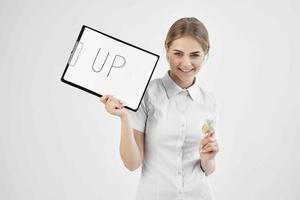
x,y
186,61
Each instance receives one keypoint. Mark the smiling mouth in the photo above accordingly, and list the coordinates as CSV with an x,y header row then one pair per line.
x,y
186,70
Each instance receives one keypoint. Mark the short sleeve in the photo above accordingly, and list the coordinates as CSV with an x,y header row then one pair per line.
x,y
139,118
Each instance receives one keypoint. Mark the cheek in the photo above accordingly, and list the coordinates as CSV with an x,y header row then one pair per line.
x,y
174,62
198,64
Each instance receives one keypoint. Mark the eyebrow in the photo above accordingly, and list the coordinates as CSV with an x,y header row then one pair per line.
x,y
183,52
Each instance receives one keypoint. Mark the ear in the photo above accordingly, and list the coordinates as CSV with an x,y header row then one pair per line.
x,y
205,58
166,48
167,56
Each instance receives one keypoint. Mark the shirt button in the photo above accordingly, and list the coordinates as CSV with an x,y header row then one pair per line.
x,y
179,172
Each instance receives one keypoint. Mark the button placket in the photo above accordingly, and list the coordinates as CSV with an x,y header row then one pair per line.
x,y
178,154
182,129
178,175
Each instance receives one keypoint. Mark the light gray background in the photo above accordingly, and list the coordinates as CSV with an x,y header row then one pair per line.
x,y
57,142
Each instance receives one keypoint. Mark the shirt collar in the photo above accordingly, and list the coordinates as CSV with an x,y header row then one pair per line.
x,y
173,89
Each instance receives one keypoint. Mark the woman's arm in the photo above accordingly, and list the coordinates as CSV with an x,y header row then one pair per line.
x,y
131,144
132,141
208,150
208,166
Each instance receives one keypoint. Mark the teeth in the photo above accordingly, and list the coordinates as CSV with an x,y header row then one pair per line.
x,y
188,70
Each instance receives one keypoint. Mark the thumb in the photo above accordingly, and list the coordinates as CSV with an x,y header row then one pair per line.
x,y
104,98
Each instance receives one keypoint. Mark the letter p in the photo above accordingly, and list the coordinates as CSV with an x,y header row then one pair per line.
x,y
121,59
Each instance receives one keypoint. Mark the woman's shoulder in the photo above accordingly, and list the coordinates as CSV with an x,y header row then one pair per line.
x,y
154,90
155,86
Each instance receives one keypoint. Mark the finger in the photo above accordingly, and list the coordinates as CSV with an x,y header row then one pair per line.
x,y
118,105
121,105
122,102
103,99
209,133
114,99
108,105
211,148
207,140
117,102
211,144
209,137
109,99
113,103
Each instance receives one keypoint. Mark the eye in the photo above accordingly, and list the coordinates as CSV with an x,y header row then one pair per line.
x,y
195,55
177,54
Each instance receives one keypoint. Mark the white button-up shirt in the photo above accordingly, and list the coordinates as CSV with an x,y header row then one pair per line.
x,y
171,118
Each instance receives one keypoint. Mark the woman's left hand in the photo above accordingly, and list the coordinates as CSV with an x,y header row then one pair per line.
x,y
208,147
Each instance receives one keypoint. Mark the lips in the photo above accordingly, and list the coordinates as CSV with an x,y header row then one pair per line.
x,y
185,70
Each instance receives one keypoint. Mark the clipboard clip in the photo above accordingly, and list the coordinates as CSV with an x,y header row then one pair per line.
x,y
75,53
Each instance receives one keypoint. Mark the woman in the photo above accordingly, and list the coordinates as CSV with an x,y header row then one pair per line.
x,y
164,135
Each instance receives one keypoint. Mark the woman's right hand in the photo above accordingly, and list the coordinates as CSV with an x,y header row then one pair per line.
x,y
113,106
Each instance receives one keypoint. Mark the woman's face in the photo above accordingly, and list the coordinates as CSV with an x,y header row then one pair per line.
x,y
185,56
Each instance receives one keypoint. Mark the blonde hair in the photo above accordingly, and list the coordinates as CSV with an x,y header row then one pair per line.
x,y
188,26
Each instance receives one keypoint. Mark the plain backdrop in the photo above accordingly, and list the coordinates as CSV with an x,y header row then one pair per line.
x,y
58,142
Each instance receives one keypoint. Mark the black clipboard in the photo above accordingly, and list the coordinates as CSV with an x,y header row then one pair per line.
x,y
102,64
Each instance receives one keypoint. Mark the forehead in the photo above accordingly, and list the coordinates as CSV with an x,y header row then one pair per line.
x,y
186,44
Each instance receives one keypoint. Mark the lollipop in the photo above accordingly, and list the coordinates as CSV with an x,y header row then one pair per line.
x,y
208,126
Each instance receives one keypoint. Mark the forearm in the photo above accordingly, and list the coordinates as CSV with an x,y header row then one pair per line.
x,y
208,166
129,150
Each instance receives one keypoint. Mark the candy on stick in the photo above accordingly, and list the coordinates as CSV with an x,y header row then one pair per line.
x,y
208,126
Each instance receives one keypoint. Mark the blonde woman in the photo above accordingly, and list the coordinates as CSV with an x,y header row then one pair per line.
x,y
165,135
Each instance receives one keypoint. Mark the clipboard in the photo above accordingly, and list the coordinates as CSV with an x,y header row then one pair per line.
x,y
102,64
